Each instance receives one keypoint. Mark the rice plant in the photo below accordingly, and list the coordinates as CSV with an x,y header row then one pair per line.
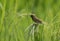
x,y
16,23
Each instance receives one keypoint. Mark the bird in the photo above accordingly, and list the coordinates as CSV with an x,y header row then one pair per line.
x,y
35,19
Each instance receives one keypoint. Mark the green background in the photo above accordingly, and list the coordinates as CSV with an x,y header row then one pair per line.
x,y
12,25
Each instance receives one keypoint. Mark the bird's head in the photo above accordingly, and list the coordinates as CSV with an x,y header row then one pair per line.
x,y
32,15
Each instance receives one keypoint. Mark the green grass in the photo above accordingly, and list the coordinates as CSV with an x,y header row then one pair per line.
x,y
12,25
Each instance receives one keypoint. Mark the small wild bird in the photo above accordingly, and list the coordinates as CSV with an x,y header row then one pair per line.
x,y
35,19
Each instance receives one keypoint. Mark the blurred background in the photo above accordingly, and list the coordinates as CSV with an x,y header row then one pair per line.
x,y
13,22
